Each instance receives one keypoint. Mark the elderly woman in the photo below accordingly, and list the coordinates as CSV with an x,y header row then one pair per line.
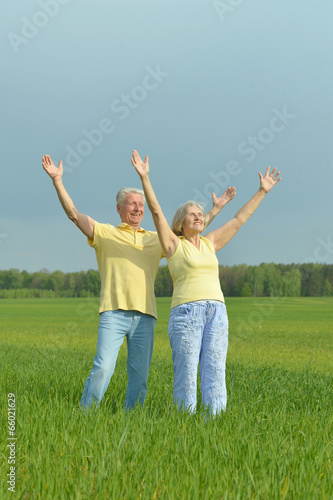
x,y
198,323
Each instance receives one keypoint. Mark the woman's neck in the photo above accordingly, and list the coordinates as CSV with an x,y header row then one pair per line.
x,y
193,238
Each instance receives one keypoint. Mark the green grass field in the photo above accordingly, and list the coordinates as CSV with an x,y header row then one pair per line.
x,y
275,440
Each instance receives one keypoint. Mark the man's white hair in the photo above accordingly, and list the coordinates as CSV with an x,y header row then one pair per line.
x,y
121,195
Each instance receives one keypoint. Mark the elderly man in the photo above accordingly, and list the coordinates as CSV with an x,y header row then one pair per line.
x,y
128,259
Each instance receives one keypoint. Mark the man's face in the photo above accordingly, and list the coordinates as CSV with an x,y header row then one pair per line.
x,y
132,210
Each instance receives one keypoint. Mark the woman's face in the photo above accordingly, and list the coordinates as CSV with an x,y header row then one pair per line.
x,y
194,220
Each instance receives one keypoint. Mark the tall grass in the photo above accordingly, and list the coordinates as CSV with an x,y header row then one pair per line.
x,y
274,441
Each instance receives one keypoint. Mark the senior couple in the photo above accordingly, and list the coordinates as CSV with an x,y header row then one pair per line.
x,y
128,259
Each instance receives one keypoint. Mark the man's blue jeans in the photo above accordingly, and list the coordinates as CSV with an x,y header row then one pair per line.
x,y
198,333
114,326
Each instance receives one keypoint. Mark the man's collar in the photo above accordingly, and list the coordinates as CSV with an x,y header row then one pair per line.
x,y
123,225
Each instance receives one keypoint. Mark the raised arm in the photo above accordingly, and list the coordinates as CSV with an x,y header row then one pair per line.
x,y
83,222
168,239
219,203
221,236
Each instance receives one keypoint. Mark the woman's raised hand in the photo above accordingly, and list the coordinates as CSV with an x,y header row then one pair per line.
x,y
50,168
224,199
141,167
270,179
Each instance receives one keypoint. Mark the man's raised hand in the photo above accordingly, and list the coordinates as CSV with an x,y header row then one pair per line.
x,y
50,168
141,167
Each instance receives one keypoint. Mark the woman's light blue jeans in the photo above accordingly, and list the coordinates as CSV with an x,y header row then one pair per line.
x,y
114,326
198,333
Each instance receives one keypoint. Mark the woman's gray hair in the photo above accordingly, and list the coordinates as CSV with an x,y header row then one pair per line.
x,y
121,195
180,215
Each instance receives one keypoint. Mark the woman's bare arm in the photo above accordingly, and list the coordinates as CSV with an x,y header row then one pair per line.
x,y
221,236
168,239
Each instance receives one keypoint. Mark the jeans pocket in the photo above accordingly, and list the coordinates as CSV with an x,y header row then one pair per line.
x,y
184,309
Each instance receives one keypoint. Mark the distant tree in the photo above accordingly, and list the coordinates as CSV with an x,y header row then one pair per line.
x,y
40,280
272,280
79,283
328,279
246,291
259,281
227,280
56,281
69,285
239,272
291,283
327,288
292,280
11,279
27,279
93,282
158,286
164,282
316,282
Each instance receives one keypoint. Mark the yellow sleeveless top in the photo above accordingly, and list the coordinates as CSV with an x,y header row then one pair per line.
x,y
195,272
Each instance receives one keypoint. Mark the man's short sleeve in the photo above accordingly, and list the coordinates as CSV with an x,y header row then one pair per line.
x,y
100,231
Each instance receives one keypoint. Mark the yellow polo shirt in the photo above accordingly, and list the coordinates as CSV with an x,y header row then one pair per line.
x,y
127,262
195,272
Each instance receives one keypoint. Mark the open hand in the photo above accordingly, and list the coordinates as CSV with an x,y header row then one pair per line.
x,y
270,179
224,199
141,167
50,168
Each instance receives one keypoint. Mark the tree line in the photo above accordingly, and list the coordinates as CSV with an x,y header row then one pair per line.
x,y
265,280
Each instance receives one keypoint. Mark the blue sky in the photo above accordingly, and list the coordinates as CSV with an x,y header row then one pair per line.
x,y
211,91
